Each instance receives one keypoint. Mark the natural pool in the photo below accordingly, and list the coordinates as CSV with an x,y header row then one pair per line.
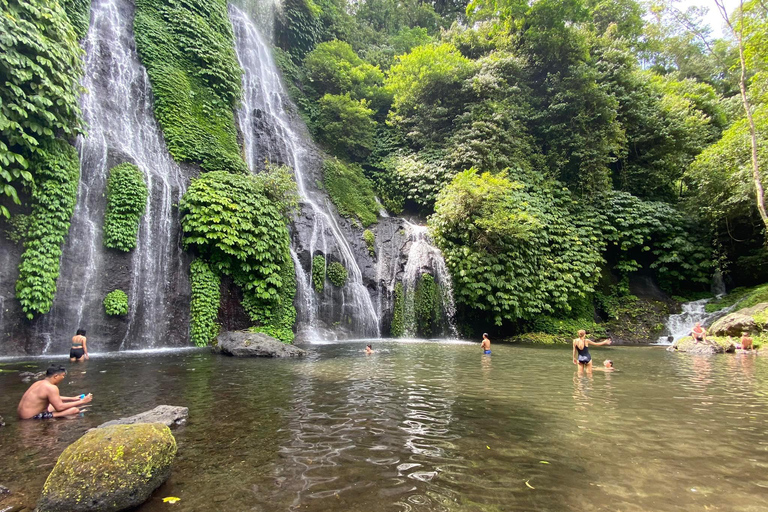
x,y
427,426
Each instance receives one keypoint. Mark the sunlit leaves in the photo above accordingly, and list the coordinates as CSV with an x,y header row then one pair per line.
x,y
126,202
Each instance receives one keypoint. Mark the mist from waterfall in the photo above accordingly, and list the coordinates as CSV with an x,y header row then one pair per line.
x,y
117,107
271,134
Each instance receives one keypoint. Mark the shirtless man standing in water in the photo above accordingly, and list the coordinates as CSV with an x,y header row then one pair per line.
x,y
42,400
486,344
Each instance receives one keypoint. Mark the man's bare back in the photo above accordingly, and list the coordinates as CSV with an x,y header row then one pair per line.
x,y
42,400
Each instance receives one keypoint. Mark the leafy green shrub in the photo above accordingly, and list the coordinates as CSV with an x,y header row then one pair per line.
x,y
40,66
232,222
397,328
116,303
417,179
333,67
126,202
204,303
53,202
298,27
318,273
345,126
350,191
275,316
515,250
79,13
18,227
337,274
187,47
427,305
567,326
370,241
541,338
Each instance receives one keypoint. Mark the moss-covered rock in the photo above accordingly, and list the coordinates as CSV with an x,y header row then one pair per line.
x,y
110,469
713,345
751,319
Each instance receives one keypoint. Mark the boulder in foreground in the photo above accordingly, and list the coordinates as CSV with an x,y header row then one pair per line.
x,y
168,415
703,348
110,469
254,344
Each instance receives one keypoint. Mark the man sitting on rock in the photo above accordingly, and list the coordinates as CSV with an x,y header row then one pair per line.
x,y
42,400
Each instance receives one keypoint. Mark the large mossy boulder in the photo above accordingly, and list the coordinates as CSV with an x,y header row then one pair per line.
x,y
254,344
110,469
748,319
703,348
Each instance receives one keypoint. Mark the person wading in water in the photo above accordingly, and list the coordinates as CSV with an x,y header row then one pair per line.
x,y
581,355
79,349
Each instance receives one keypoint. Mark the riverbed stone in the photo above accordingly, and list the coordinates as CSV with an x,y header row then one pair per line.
x,y
747,319
254,344
702,348
27,377
110,469
168,415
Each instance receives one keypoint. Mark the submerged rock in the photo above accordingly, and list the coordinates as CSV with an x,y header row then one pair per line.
x,y
747,319
168,415
254,344
27,377
110,469
708,347
2,424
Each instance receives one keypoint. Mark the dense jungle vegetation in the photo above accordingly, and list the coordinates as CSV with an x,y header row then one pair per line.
x,y
558,149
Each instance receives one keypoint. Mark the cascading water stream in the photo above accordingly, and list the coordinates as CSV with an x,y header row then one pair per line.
x,y
679,325
117,108
423,257
270,134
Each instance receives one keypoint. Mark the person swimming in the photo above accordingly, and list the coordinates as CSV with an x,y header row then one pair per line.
x,y
581,355
607,366
486,344
368,349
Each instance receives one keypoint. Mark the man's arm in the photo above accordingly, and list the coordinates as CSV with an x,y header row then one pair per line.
x,y
61,405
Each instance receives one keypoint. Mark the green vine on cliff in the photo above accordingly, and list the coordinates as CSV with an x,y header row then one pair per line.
x,y
126,202
427,305
40,66
187,47
116,303
337,274
318,273
350,191
233,222
53,201
204,303
397,328
79,14
370,241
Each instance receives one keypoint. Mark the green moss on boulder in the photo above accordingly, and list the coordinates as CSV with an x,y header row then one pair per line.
x,y
110,469
751,319
713,345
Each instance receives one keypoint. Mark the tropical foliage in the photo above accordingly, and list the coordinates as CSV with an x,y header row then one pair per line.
x,y
116,303
126,202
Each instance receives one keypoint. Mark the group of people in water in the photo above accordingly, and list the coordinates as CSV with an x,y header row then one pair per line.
x,y
43,401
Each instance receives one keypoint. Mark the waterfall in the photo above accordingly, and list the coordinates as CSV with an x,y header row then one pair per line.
x,y
679,325
271,134
425,258
117,108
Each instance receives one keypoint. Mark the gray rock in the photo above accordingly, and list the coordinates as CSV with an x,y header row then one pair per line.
x,y
735,323
28,377
4,490
703,348
168,415
110,469
254,344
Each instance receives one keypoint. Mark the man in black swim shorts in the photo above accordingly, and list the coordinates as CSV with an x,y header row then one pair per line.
x,y
42,400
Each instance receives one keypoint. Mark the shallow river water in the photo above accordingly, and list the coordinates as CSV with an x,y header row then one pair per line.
x,y
426,426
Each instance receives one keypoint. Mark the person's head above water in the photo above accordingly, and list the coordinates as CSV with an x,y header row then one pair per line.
x,y
608,363
485,335
80,332
582,333
369,346
55,370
